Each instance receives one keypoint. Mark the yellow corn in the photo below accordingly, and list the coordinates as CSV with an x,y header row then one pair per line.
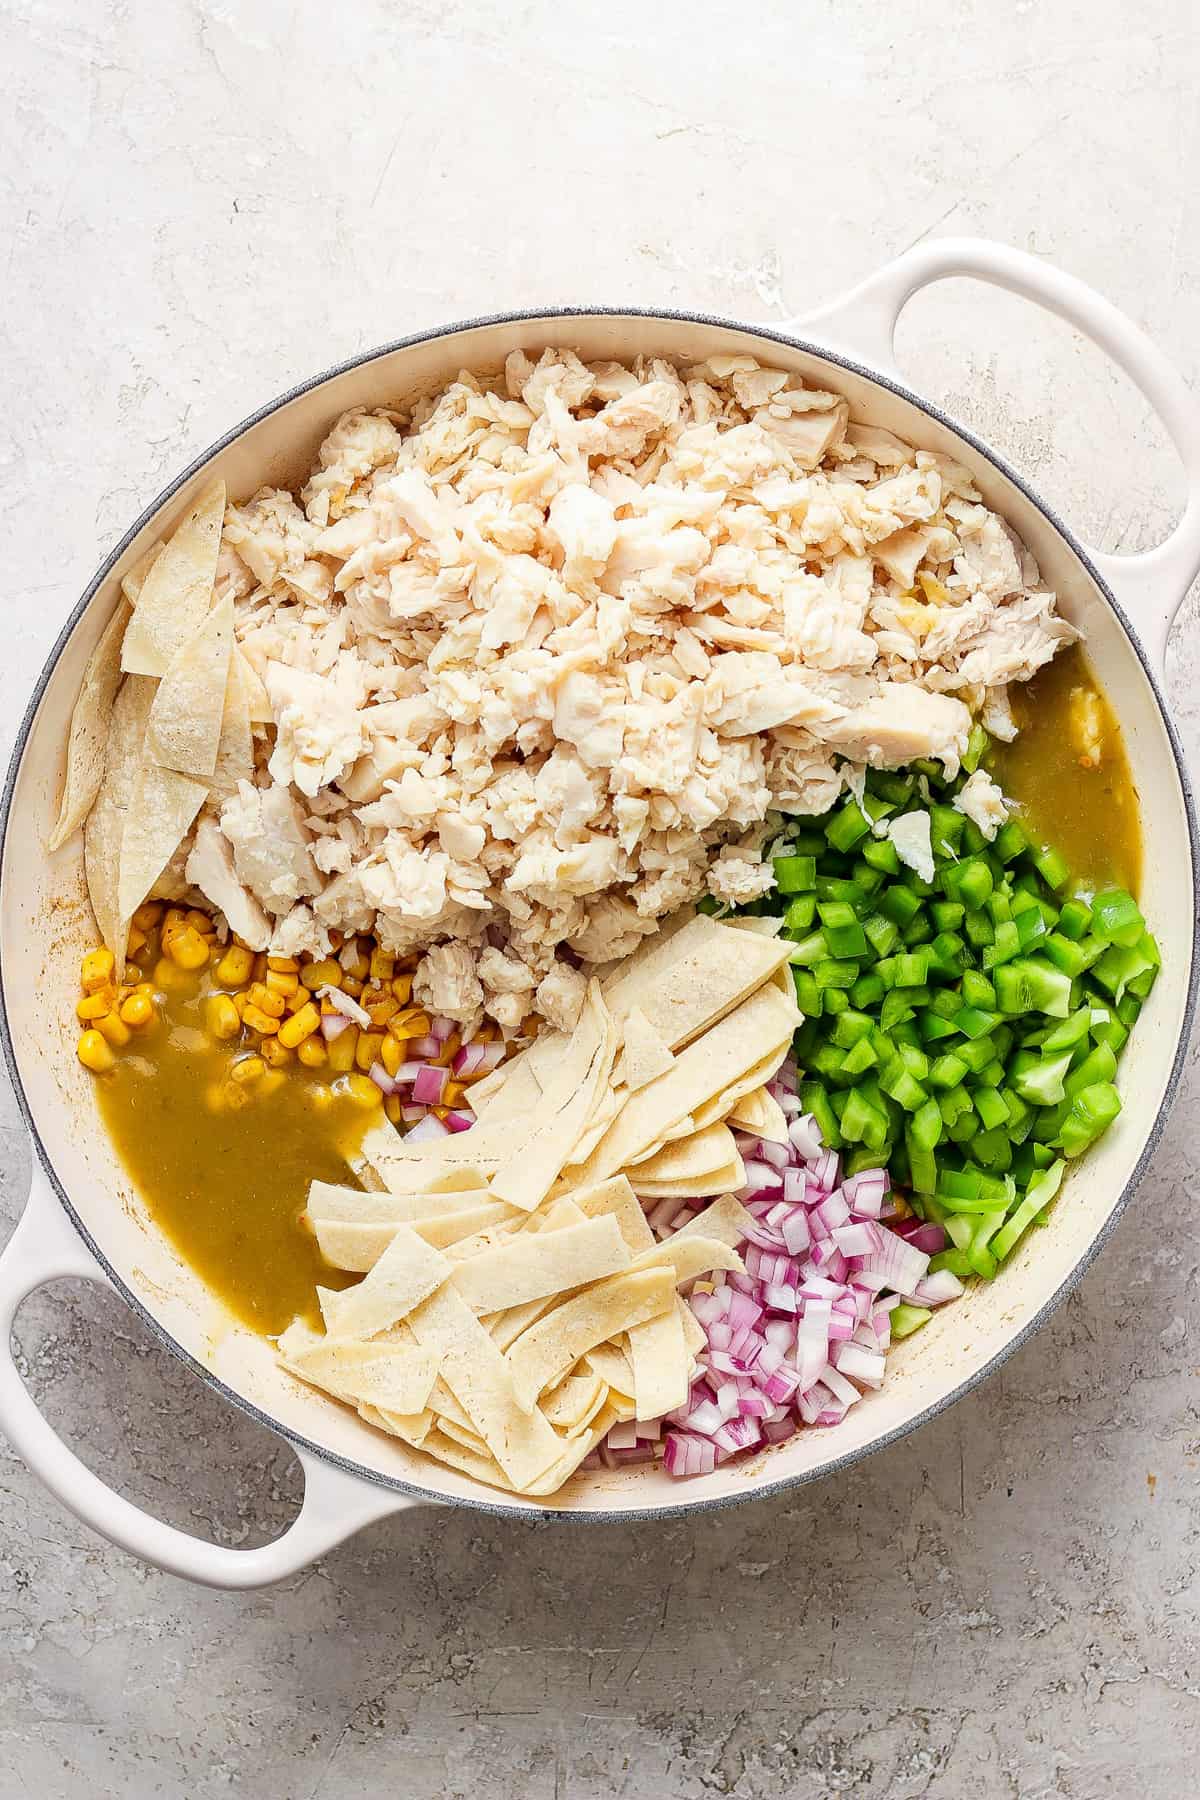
x,y
366,1051
402,988
281,983
214,1096
96,970
410,1022
135,941
341,1049
93,1007
352,985
236,1096
114,1028
301,998
174,919
275,1053
382,965
380,1010
137,1010
271,1082
455,1093
260,965
933,588
200,922
147,915
170,977
356,963
322,974
318,1096
301,1025
359,1088
266,1001
247,1069
97,1056
449,1050
282,965
312,1052
391,1054
391,1107
187,948
235,967
259,1021
221,1017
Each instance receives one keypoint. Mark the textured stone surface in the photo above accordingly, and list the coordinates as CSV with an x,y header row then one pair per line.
x,y
202,204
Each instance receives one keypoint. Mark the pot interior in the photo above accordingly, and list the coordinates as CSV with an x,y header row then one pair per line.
x,y
45,925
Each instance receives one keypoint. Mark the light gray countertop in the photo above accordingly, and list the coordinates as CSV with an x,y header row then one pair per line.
x,y
202,204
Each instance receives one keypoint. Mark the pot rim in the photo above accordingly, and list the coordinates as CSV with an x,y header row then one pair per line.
x,y
766,1487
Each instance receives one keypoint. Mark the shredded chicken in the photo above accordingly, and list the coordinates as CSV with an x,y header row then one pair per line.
x,y
543,651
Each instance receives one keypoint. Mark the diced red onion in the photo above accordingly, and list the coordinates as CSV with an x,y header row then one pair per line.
x,y
429,1085
478,1058
332,1026
459,1121
424,1047
383,1081
805,1136
428,1127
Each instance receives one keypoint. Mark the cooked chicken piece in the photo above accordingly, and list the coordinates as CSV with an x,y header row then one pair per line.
x,y
210,868
910,838
271,853
446,982
983,803
901,723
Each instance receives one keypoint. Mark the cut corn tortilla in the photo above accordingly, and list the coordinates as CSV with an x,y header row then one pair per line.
x,y
712,1148
456,1456
694,1334
184,732
577,1448
380,1148
528,1173
134,579
756,922
532,1267
89,728
445,1406
413,1428
702,1069
550,1348
257,697
720,1105
688,1254
686,985
512,1098
759,1112
160,814
235,747
574,1403
505,1327
379,1206
613,1366
617,1198
644,1055
177,590
463,1435
726,1221
104,828
698,1187
406,1274
398,1377
358,1244
661,1362
481,1379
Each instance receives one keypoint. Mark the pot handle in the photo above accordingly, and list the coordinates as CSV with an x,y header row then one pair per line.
x,y
1150,584
44,1247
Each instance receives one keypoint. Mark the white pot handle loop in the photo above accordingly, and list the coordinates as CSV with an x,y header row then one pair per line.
x,y
45,1247
1150,584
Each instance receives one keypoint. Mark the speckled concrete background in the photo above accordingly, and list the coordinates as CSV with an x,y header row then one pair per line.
x,y
203,203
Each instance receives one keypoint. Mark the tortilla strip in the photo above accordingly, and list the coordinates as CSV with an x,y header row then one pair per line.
x,y
757,922
89,728
532,1267
644,1055
406,1274
161,810
534,1165
613,1366
358,1244
381,1148
177,591
328,1201
726,1221
505,1327
706,1067
686,985
413,1428
398,1377
697,1187
721,1104
134,578
549,1349
456,1456
481,1379
185,721
684,1158
759,1112
688,1254
577,1449
511,1098
575,1401
104,827
617,1199
235,748
694,1334
661,1362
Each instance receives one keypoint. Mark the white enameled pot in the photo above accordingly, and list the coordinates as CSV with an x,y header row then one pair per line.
x,y
83,1217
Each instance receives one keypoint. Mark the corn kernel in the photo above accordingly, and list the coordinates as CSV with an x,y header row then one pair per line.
x,y
449,1050
137,1009
235,1097
148,914
301,1025
391,1054
282,965
359,1088
187,948
174,919
341,1049
271,1082
266,1001
259,1021
301,998
260,965
380,1011
200,922
355,962
92,1007
382,965
114,1028
221,1017
97,1056
366,1051
276,1054
170,977
280,983
351,985
235,967
318,1096
391,1107
312,1052
247,1069
96,970
402,988
135,941
455,1093
322,974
